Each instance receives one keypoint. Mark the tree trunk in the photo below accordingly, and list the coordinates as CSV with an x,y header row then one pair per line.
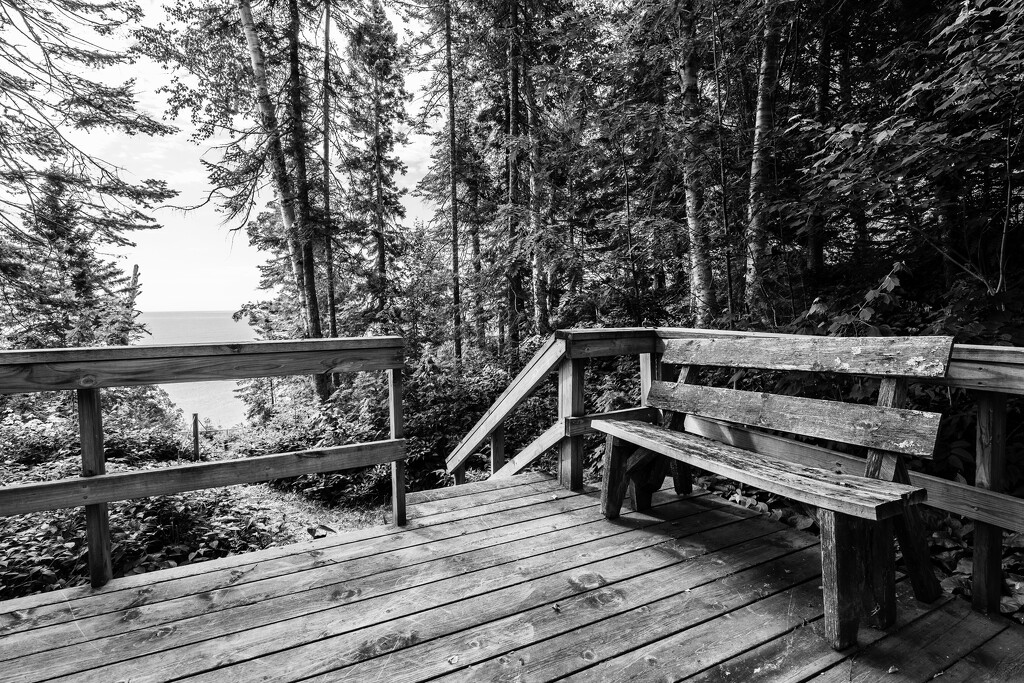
x,y
268,119
515,276
453,162
380,286
332,301
814,262
757,207
702,292
479,320
304,226
541,320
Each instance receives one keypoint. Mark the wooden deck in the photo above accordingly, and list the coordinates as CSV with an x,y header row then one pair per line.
x,y
501,581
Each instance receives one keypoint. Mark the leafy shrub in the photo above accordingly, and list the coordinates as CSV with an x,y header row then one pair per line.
x,y
31,440
48,551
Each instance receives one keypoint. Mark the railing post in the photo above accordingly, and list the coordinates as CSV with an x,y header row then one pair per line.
x,y
498,448
97,524
195,436
397,432
650,371
570,404
990,474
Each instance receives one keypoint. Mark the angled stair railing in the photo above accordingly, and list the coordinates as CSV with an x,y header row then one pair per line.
x,y
566,352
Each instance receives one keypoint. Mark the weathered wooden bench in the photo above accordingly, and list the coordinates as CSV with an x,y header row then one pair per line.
x,y
857,515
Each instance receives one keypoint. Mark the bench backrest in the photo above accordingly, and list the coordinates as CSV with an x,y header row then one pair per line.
x,y
908,432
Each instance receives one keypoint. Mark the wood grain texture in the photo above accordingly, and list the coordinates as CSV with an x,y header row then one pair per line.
x,y
91,374
387,640
578,426
329,596
165,351
24,498
921,651
666,595
909,527
97,521
570,404
614,481
913,432
961,499
842,576
596,343
397,420
999,660
990,474
497,448
524,458
478,508
544,362
898,356
682,473
858,496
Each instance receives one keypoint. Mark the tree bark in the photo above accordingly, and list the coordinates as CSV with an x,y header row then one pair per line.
x,y
453,167
332,301
814,262
268,120
479,320
304,226
541,320
757,206
515,276
381,266
702,292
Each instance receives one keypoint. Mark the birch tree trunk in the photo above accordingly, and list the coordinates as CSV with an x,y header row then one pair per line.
x,y
757,204
702,291
268,120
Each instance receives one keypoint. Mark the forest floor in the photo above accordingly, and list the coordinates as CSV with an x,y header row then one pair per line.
x,y
298,518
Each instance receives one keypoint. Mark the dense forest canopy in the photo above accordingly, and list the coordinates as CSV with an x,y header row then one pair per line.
x,y
823,167
820,166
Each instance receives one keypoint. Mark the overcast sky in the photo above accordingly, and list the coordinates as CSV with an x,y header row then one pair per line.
x,y
195,262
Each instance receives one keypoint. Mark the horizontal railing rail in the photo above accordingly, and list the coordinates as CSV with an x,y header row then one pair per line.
x,y
991,373
88,370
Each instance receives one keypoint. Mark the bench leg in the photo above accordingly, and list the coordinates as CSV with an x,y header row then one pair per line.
x,y
682,478
398,492
881,565
646,472
614,482
843,576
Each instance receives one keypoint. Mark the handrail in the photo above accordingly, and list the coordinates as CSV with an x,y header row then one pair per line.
x,y
56,369
522,387
990,372
86,370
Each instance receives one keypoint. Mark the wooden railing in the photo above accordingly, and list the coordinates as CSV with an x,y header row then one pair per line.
x,y
989,372
87,370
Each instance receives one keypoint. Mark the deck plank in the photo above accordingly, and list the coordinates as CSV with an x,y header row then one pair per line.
x,y
803,651
36,611
288,593
941,638
501,580
487,624
194,618
998,660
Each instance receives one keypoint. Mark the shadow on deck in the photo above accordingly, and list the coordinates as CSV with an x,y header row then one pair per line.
x,y
511,580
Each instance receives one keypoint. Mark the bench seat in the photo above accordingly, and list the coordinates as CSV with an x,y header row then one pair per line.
x,y
863,497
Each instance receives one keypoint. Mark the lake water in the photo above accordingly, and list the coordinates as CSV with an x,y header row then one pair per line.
x,y
215,401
